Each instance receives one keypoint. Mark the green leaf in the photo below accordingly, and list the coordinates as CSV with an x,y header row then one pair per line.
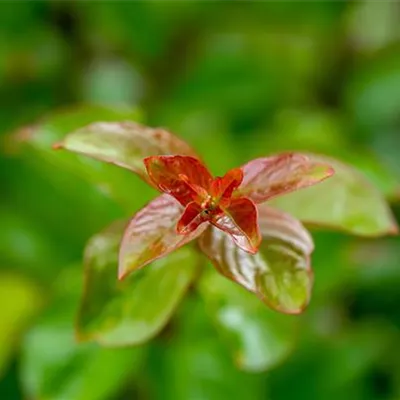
x,y
346,201
20,300
132,311
258,338
279,274
195,365
54,366
36,142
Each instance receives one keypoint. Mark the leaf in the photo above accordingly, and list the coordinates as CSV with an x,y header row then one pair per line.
x,y
36,143
222,188
190,219
151,234
240,221
258,338
273,176
130,312
55,367
279,274
347,201
124,143
178,176
195,364
20,300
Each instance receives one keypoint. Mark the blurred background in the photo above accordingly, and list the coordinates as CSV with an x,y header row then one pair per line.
x,y
236,80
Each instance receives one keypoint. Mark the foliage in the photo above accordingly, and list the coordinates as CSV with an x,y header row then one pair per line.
x,y
238,82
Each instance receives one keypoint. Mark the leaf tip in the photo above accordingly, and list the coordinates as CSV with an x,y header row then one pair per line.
x,y
251,250
326,171
394,229
147,161
287,310
122,273
57,146
330,171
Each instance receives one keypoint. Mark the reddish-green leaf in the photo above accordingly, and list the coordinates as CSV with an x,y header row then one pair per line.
x,y
240,221
124,143
347,201
273,176
279,274
132,311
180,176
152,234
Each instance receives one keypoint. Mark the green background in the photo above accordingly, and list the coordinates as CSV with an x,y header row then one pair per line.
x,y
236,80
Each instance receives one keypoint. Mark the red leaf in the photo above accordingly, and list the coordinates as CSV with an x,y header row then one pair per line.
x,y
183,177
191,218
222,188
269,177
240,221
151,234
